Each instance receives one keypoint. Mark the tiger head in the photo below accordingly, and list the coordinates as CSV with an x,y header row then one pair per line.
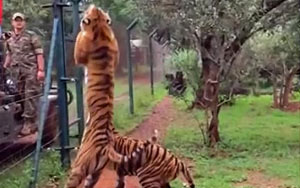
x,y
94,16
95,30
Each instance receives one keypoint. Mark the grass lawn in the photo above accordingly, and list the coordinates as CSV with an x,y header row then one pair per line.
x,y
254,137
19,176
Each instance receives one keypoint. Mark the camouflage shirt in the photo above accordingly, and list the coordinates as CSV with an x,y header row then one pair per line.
x,y
23,49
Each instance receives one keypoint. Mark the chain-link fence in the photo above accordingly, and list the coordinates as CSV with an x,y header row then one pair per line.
x,y
141,63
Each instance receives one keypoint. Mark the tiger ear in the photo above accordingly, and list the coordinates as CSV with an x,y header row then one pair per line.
x,y
108,17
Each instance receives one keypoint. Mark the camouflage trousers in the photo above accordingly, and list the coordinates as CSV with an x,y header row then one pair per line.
x,y
29,90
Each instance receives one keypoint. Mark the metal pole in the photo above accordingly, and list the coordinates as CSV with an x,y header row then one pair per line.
x,y
44,107
130,79
79,75
151,60
151,65
62,92
76,21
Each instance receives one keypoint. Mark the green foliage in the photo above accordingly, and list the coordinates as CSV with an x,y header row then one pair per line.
x,y
278,49
19,176
296,95
38,18
254,136
269,56
186,60
201,13
120,10
227,18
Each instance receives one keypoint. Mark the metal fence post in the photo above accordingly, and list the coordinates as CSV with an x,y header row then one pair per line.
x,y
151,60
130,77
44,107
75,14
62,91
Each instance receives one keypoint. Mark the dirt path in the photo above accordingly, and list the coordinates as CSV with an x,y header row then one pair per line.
x,y
162,114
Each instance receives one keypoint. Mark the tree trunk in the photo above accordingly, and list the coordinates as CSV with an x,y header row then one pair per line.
x,y
275,94
255,88
281,95
288,88
207,96
213,129
200,101
210,99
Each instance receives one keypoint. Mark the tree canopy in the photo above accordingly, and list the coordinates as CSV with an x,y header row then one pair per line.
x,y
120,10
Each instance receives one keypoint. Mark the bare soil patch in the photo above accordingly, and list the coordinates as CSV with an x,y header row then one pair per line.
x,y
293,107
258,179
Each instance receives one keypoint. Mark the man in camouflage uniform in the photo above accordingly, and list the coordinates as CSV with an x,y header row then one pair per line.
x,y
24,57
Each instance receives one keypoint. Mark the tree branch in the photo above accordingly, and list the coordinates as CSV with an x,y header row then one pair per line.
x,y
235,46
265,10
244,35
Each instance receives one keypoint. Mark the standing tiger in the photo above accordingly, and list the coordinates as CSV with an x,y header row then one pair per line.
x,y
155,166
97,49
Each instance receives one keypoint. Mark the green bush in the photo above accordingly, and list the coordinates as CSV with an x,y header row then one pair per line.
x,y
296,95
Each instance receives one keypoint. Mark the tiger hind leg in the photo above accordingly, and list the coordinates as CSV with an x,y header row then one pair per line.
x,y
121,179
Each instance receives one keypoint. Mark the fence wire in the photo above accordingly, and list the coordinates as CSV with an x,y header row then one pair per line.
x,y
11,156
3,171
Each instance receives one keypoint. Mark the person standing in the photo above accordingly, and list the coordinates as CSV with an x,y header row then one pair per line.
x,y
24,57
